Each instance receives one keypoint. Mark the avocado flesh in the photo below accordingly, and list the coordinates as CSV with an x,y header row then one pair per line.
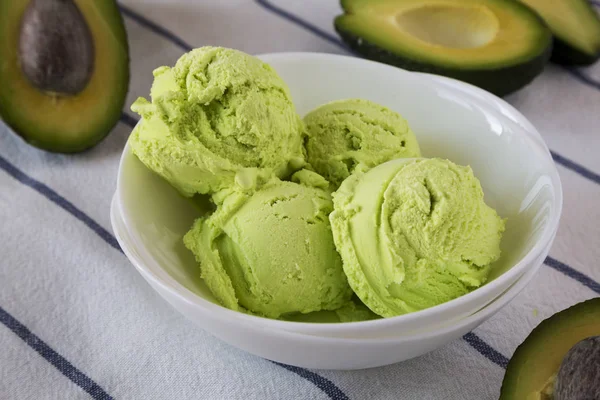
x,y
576,27
65,122
532,370
499,45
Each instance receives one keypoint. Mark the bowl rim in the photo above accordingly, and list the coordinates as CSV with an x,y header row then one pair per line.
x,y
518,269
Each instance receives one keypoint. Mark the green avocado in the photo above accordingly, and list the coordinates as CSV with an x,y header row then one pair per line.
x,y
64,71
576,28
498,45
554,348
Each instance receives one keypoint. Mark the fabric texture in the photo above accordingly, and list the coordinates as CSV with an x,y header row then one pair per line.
x,y
77,321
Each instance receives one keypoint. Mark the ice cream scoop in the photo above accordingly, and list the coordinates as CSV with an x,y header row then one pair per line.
x,y
345,133
271,252
215,113
414,233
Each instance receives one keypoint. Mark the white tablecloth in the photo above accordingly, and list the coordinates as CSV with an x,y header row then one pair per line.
x,y
77,321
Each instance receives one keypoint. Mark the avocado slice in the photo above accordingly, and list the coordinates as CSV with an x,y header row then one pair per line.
x,y
576,28
532,371
498,45
64,71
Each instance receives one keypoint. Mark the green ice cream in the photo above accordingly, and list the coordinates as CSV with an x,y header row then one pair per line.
x,y
345,133
410,233
272,252
217,113
414,233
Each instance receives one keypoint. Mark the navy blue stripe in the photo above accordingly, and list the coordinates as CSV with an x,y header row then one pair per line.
x,y
58,361
573,166
128,119
486,350
499,359
328,387
304,24
322,383
581,77
140,19
573,274
59,201
578,74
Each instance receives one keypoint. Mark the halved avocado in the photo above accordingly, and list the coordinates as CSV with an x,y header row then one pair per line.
x,y
498,45
576,28
64,71
532,370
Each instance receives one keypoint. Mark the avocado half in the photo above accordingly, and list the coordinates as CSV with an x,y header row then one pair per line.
x,y
576,28
498,45
64,71
533,369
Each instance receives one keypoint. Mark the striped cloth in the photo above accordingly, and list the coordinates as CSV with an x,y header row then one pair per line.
x,y
77,321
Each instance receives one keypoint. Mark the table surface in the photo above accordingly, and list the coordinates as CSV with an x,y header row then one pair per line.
x,y
77,321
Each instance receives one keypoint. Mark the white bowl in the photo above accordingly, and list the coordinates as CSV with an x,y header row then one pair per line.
x,y
451,119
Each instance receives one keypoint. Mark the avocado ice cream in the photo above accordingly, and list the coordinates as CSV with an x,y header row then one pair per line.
x,y
414,233
410,233
217,113
271,252
345,133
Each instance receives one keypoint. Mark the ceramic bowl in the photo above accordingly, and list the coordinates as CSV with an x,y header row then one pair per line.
x,y
452,120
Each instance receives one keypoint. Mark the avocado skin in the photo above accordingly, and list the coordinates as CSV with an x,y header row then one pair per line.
x,y
500,81
565,54
547,328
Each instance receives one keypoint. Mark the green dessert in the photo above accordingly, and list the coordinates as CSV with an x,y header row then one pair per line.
x,y
345,133
216,114
271,252
403,233
414,233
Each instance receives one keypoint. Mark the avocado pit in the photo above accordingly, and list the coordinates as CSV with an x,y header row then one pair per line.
x,y
56,48
578,377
